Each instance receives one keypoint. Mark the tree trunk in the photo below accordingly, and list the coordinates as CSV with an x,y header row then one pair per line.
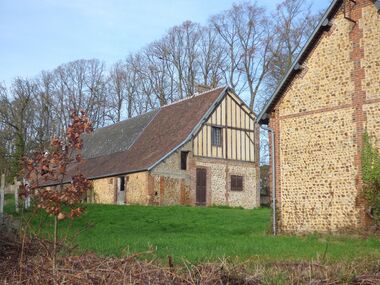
x,y
55,245
2,189
16,185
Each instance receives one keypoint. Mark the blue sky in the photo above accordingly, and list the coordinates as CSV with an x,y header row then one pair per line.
x,y
38,35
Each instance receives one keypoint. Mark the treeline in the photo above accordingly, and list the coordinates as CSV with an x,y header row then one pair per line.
x,y
245,47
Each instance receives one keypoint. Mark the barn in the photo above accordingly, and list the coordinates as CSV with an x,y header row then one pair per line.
x,y
318,115
202,150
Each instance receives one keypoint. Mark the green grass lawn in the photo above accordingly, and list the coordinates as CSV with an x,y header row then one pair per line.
x,y
9,205
199,234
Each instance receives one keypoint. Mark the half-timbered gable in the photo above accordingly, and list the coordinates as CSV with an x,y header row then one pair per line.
x,y
229,132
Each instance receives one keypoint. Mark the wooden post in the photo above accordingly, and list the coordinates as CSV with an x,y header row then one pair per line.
x,y
16,194
2,189
25,184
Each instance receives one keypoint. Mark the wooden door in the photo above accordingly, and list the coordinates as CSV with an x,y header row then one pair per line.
x,y
201,187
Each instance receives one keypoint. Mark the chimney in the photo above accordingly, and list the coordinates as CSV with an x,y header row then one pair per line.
x,y
201,88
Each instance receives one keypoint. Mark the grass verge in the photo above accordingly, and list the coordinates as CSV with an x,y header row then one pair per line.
x,y
201,234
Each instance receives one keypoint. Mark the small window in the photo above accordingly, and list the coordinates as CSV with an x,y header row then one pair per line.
x,y
110,181
236,183
184,155
216,136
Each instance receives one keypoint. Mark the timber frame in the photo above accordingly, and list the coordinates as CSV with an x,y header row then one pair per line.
x,y
237,123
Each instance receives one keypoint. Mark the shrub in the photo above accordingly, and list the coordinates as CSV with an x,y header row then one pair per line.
x,y
371,178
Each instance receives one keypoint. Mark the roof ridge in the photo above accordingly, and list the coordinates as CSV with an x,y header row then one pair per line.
x,y
159,108
193,96
125,120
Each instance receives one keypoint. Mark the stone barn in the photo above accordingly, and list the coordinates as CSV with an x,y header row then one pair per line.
x,y
201,150
319,113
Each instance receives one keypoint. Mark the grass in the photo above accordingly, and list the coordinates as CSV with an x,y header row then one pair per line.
x,y
9,205
200,234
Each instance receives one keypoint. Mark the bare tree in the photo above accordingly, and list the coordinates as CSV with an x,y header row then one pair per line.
x,y
226,31
210,59
154,72
245,31
5,137
80,85
140,91
46,119
16,113
117,89
293,23
189,33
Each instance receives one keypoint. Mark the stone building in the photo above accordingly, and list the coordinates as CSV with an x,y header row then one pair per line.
x,y
201,150
319,113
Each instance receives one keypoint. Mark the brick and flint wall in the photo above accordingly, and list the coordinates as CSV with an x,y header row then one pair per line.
x,y
175,186
319,123
167,184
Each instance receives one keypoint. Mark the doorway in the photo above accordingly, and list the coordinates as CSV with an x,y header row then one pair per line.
x,y
201,187
121,190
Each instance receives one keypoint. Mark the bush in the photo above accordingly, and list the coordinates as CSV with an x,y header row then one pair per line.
x,y
371,177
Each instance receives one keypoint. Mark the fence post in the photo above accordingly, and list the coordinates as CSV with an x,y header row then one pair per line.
x,y
25,184
2,189
16,194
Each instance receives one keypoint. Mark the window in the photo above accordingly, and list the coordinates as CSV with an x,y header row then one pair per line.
x,y
216,136
236,183
184,155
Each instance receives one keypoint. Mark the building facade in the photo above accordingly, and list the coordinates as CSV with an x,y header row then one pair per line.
x,y
202,150
319,114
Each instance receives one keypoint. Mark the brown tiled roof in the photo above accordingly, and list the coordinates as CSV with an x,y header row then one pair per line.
x,y
115,138
167,128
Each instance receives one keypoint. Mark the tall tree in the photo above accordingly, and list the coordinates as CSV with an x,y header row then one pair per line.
x,y
210,59
245,32
117,89
16,113
293,23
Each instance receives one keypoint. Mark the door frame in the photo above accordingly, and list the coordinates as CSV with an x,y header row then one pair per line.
x,y
121,184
